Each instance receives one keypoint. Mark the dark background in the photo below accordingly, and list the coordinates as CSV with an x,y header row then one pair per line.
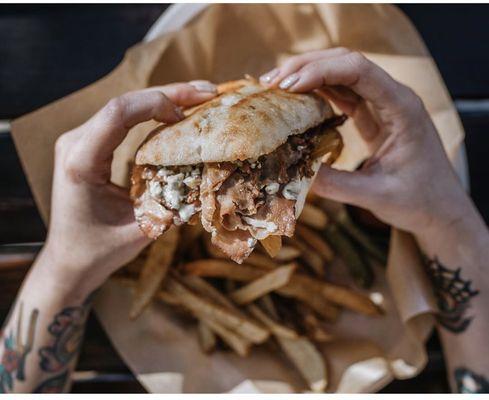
x,y
49,51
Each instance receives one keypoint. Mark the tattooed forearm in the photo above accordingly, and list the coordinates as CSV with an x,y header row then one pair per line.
x,y
16,350
468,381
454,295
67,331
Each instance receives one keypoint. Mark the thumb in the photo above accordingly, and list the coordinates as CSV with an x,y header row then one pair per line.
x,y
355,188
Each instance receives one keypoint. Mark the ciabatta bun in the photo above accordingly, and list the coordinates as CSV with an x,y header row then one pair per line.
x,y
245,121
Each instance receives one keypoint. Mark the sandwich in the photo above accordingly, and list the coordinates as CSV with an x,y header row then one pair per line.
x,y
242,162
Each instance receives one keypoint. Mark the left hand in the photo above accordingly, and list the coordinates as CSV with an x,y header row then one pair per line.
x,y
92,229
408,181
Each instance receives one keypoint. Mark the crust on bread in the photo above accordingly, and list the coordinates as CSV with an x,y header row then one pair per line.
x,y
246,120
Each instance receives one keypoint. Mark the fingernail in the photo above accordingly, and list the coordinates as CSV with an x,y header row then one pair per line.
x,y
204,86
289,81
268,77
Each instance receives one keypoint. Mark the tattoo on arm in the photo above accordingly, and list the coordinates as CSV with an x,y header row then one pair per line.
x,y
15,351
454,295
468,381
67,331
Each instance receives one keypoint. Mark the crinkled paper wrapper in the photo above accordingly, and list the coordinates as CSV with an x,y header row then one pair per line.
x,y
222,43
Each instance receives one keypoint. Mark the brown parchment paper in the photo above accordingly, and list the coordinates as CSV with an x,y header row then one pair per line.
x,y
224,42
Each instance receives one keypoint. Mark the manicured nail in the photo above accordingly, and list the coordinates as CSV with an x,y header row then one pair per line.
x,y
268,77
204,86
289,81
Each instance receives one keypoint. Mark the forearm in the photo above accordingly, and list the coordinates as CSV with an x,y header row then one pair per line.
x,y
463,323
42,336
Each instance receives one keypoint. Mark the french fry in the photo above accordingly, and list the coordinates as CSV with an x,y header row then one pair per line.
x,y
222,269
160,294
360,270
308,360
288,253
315,241
301,286
276,328
160,256
331,143
339,295
206,336
266,302
167,298
261,261
314,328
267,283
239,344
272,244
203,287
208,310
312,298
364,240
313,217
312,259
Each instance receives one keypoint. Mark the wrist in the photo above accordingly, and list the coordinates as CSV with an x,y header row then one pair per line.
x,y
451,228
60,276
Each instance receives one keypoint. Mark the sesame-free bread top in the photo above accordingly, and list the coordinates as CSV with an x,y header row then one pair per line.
x,y
246,120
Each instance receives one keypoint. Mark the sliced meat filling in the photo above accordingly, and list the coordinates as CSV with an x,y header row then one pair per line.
x,y
164,196
240,202
254,199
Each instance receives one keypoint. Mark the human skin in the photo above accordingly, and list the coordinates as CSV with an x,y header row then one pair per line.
x,y
407,182
92,232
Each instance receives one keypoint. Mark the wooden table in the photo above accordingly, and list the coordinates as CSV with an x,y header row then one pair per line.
x,y
49,51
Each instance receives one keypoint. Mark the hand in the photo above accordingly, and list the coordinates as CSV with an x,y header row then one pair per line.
x,y
92,229
408,180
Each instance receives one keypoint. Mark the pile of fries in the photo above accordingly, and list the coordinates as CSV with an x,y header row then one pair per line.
x,y
284,302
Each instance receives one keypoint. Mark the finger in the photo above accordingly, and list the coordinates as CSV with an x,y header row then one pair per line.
x,y
355,188
357,108
362,76
104,132
100,136
188,94
293,64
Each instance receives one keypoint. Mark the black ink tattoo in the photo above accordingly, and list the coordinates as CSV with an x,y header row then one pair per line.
x,y
453,294
55,384
15,351
470,382
67,330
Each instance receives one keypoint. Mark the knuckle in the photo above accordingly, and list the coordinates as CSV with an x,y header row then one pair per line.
x,y
343,50
358,60
162,104
161,99
60,144
312,67
71,167
292,63
115,108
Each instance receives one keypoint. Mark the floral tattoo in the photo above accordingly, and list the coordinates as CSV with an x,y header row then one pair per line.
x,y
470,382
15,351
67,330
454,295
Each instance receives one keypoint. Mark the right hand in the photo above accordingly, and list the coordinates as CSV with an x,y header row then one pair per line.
x,y
92,229
408,181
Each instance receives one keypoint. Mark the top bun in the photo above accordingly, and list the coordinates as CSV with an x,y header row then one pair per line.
x,y
245,121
